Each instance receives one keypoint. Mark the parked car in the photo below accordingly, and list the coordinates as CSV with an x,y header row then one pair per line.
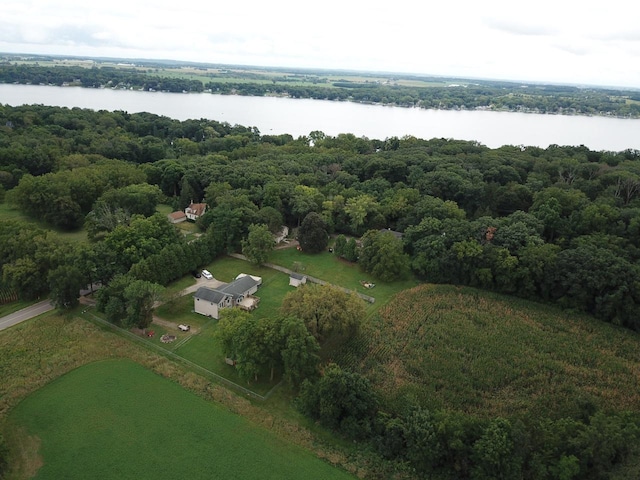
x,y
196,274
184,328
206,274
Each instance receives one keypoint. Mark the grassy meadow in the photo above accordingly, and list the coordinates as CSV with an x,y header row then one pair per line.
x,y
202,346
330,268
9,212
116,419
462,349
42,351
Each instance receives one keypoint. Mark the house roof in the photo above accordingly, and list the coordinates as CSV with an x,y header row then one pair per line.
x,y
177,215
210,295
196,208
398,235
234,289
296,276
239,286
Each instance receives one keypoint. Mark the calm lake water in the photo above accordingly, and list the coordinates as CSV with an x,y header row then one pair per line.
x,y
300,117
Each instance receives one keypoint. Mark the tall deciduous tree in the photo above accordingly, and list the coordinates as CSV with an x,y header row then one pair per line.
x,y
340,400
65,283
299,350
327,311
381,255
312,234
141,297
258,245
279,343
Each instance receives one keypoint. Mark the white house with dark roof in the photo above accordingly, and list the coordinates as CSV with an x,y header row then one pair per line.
x,y
239,293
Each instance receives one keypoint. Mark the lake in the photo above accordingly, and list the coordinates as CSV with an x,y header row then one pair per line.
x,y
297,117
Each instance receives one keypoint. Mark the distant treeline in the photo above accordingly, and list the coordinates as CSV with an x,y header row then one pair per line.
x,y
106,76
502,96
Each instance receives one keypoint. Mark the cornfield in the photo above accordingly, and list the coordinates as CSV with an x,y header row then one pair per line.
x,y
488,355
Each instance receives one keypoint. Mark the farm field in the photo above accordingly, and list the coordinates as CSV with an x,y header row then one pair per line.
x,y
488,355
39,351
116,419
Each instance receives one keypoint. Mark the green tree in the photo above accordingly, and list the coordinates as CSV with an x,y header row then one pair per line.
x,y
258,245
140,297
382,256
278,343
312,234
270,217
65,283
339,246
424,448
340,400
358,208
305,200
351,250
140,198
327,311
110,299
299,351
494,453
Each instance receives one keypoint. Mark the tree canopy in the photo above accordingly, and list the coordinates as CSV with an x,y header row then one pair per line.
x,y
328,312
312,234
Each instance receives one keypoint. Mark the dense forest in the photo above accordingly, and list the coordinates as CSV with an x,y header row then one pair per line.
x,y
401,90
558,225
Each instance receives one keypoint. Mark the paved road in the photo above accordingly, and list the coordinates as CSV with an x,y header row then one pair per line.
x,y
25,314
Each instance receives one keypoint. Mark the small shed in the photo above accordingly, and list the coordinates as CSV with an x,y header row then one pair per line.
x,y
177,217
295,279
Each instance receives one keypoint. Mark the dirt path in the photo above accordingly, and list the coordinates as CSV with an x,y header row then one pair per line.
x,y
171,325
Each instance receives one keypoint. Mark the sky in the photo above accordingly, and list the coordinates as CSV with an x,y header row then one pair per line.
x,y
559,41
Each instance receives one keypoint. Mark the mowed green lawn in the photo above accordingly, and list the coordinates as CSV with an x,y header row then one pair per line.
x,y
204,348
330,268
116,419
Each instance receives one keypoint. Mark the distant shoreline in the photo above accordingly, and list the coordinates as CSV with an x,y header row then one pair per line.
x,y
411,91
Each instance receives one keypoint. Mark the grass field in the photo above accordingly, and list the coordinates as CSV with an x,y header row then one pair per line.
x,y
115,419
37,352
330,268
204,349
9,212
488,355
9,308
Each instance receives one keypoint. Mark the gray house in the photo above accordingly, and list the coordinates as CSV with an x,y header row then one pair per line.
x,y
239,293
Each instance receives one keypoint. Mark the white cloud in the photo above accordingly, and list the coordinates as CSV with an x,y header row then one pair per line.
x,y
542,41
